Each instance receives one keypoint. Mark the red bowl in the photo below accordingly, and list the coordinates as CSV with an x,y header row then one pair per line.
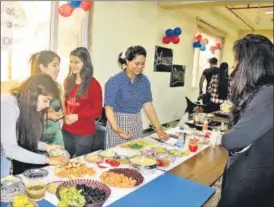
x,y
89,183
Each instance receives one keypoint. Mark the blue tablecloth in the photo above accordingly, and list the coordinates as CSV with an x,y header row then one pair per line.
x,y
42,203
166,191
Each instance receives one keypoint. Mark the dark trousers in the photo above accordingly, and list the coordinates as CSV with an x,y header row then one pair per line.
x,y
20,167
78,145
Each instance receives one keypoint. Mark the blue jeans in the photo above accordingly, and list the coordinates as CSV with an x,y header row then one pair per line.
x,y
5,166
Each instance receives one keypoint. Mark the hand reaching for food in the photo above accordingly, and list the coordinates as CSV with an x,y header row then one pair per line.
x,y
122,133
162,134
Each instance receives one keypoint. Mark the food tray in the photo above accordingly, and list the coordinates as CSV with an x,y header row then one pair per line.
x,y
9,189
130,173
59,152
35,173
89,183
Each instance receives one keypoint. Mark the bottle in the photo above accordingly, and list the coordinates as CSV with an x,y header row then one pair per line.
x,y
205,125
181,140
214,135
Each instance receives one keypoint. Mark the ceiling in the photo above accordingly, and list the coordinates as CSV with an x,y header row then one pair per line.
x,y
238,15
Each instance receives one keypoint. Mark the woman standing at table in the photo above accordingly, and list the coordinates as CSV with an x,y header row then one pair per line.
x,y
249,175
22,120
125,95
48,62
83,104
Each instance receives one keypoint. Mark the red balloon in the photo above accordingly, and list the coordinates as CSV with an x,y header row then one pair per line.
x,y
166,39
212,48
218,45
199,38
66,10
86,5
175,39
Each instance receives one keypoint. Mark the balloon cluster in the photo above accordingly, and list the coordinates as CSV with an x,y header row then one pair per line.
x,y
218,46
200,42
66,9
172,35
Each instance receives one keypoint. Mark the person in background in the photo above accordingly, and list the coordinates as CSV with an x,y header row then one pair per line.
x,y
22,122
126,93
83,104
207,75
249,175
218,88
48,62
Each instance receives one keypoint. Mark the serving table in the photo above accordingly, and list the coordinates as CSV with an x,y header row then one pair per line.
x,y
203,166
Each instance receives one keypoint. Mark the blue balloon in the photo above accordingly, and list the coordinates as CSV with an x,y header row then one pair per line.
x,y
74,4
169,32
177,31
196,44
202,48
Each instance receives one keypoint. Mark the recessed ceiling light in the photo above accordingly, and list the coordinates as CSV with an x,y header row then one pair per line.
x,y
269,12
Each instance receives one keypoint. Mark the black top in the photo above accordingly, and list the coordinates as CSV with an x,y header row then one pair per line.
x,y
208,73
249,180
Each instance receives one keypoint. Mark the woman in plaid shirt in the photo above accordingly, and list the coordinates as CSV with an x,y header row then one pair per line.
x,y
218,88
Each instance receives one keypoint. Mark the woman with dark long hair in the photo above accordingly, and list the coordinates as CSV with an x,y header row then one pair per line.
x,y
83,104
126,94
48,62
249,175
22,123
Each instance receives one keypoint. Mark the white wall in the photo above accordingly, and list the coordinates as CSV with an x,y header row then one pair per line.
x,y
118,25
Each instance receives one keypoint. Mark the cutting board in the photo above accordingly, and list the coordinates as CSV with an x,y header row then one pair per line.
x,y
165,191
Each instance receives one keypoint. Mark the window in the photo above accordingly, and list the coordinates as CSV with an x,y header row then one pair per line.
x,y
70,36
37,26
30,33
201,58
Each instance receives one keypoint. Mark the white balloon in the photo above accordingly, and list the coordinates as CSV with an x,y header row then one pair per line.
x,y
79,14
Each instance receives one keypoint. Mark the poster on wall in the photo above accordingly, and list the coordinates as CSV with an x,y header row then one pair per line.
x,y
7,25
177,76
163,59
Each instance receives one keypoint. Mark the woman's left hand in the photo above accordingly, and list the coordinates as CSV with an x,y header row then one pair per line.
x,y
71,118
162,134
50,147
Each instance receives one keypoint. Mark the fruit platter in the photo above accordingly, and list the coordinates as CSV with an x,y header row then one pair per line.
x,y
82,193
108,153
122,178
22,200
107,163
59,152
74,169
163,158
93,158
179,152
138,144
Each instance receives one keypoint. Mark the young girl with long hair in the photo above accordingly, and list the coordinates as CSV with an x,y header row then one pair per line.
x,y
22,122
48,62
249,175
83,104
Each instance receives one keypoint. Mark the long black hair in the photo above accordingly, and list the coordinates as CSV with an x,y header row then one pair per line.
x,y
223,81
86,73
30,124
43,57
130,54
255,62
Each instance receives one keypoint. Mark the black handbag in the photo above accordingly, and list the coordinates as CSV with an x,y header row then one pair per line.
x,y
102,120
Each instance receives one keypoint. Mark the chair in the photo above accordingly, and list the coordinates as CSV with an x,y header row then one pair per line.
x,y
191,106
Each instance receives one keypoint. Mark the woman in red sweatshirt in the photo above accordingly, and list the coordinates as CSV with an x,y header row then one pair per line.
x,y
83,104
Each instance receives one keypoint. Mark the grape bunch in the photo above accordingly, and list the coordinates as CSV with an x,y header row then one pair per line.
x,y
92,195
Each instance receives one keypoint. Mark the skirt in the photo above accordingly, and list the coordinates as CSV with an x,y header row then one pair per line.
x,y
128,122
